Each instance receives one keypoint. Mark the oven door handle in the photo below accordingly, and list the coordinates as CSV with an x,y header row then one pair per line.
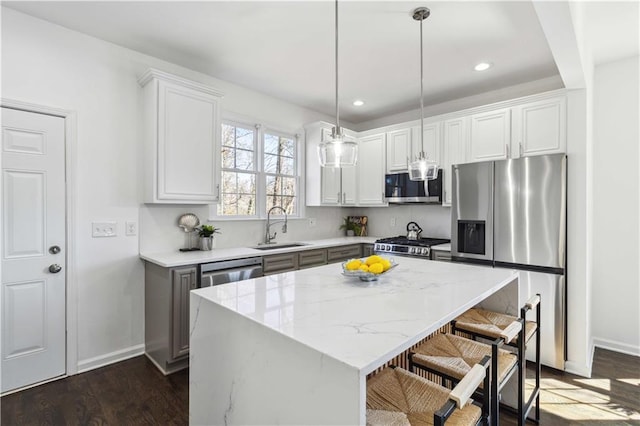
x,y
223,276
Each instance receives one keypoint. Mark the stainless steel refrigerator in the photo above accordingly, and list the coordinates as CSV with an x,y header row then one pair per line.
x,y
512,214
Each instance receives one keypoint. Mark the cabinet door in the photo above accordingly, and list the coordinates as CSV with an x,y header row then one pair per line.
x,y
349,180
311,258
338,254
182,281
371,163
398,150
454,151
490,135
188,132
540,127
330,186
432,142
278,263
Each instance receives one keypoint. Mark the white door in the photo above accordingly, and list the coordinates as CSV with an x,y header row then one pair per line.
x,y
33,248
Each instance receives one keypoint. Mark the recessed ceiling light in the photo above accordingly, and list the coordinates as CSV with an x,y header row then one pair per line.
x,y
358,103
482,66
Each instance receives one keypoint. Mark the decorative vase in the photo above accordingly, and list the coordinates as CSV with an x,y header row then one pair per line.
x,y
207,243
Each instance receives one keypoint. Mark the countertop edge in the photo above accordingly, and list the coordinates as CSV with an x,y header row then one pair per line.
x,y
174,259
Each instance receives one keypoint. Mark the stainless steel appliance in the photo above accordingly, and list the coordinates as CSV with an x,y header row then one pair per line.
x,y
399,189
403,246
512,214
227,271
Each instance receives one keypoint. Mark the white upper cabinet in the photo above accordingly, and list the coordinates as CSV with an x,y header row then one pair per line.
x,y
454,146
327,186
490,136
540,127
432,142
398,150
182,139
371,162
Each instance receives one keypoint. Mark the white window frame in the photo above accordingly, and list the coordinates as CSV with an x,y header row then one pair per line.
x,y
261,196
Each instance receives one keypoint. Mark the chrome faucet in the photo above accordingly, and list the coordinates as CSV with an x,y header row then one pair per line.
x,y
267,236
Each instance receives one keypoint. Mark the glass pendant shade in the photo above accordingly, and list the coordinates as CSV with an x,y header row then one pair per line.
x,y
422,169
338,152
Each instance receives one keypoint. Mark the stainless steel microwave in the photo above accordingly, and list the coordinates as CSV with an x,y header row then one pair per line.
x,y
399,189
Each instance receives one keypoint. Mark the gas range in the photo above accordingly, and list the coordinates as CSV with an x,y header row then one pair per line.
x,y
406,247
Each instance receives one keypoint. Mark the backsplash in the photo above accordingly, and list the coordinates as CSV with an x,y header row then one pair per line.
x,y
434,220
159,230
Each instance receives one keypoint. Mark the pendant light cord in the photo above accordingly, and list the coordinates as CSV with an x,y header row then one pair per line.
x,y
421,94
337,109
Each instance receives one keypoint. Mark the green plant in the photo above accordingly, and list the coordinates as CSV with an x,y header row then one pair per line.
x,y
208,230
350,226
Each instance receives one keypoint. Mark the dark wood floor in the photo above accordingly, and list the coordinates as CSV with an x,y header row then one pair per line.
x,y
134,392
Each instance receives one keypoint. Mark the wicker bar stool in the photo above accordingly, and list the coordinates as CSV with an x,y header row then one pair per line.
x,y
488,324
451,357
398,397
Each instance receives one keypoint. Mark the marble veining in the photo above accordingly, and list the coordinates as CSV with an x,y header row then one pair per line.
x,y
360,323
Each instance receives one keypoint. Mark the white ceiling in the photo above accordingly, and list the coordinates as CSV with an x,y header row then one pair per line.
x,y
285,49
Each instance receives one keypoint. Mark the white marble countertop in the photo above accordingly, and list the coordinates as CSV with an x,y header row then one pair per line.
x,y
361,324
442,247
178,258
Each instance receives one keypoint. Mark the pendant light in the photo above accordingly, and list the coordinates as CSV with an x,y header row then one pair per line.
x,y
421,168
337,151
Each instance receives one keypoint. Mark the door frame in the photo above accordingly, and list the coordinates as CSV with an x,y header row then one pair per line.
x,y
70,145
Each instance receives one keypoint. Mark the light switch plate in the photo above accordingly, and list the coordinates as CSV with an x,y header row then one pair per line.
x,y
130,228
393,222
104,229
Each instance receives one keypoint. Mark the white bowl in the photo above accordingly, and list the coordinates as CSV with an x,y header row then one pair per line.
x,y
366,276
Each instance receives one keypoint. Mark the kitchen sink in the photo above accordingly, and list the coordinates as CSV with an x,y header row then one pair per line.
x,y
278,246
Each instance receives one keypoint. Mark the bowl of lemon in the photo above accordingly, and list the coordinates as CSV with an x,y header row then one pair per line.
x,y
368,268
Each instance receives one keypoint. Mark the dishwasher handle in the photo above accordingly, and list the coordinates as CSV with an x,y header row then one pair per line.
x,y
223,276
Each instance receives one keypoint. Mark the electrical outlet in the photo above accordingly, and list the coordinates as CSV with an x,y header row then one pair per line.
x,y
131,228
104,229
312,221
393,222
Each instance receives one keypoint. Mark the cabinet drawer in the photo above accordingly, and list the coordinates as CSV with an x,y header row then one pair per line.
x,y
309,258
336,254
280,263
444,256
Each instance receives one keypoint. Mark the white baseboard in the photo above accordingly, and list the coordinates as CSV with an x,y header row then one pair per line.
x,y
110,358
578,369
612,345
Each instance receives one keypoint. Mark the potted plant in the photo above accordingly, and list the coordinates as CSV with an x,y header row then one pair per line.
x,y
206,236
350,227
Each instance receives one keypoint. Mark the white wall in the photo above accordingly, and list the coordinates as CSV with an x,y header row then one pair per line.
x,y
616,209
49,65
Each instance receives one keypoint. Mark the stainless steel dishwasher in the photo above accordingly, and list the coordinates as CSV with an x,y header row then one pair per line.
x,y
228,271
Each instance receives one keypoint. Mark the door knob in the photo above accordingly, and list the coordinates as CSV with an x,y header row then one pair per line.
x,y
55,268
54,249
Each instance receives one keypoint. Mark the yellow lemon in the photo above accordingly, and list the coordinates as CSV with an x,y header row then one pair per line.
x,y
376,268
373,259
386,264
364,268
353,264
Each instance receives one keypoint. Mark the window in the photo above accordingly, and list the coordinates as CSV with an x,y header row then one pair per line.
x,y
257,176
238,192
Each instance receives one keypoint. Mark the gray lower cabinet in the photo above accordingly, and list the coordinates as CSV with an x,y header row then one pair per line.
x,y
338,254
311,258
166,313
367,250
278,263
183,281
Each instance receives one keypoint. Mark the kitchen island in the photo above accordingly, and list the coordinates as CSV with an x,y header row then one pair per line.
x,y
296,348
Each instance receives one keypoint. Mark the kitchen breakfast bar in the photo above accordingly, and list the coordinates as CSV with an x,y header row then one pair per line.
x,y
296,348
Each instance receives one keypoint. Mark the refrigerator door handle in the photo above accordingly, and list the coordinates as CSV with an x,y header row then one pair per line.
x,y
506,147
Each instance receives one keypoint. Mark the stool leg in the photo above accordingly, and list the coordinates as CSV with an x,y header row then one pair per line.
x,y
522,374
538,368
494,385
